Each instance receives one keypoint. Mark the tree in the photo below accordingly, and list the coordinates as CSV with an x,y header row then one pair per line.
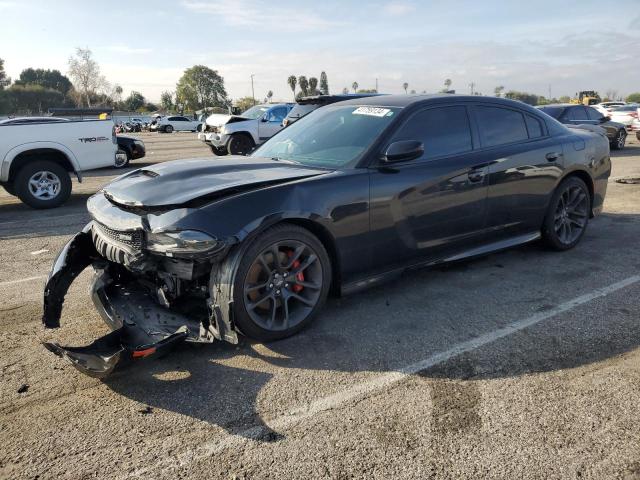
x,y
201,87
413,92
354,85
611,94
166,100
367,90
269,96
116,95
4,80
405,85
85,73
292,81
498,90
134,101
345,90
528,98
633,98
304,85
564,99
447,84
32,99
313,85
324,84
49,79
244,103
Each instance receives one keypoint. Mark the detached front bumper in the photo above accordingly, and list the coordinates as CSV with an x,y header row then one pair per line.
x,y
141,326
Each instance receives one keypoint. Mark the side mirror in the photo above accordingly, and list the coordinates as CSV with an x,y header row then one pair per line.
x,y
264,119
605,119
403,150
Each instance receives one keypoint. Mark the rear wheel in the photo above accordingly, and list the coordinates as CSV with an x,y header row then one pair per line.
x,y
568,215
240,144
168,129
9,188
281,283
43,184
620,140
121,163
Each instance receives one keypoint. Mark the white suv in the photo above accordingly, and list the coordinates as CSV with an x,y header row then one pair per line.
x,y
178,124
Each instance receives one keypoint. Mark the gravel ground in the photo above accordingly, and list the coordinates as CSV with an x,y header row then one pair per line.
x,y
522,364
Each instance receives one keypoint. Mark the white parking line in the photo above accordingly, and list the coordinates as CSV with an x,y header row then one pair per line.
x,y
22,280
376,384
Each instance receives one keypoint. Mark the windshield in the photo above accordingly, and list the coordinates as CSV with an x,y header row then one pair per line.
x,y
301,110
331,137
254,112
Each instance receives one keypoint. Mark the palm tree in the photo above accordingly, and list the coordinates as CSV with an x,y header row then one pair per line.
x,y
313,85
405,85
447,84
269,95
354,85
345,90
304,84
292,81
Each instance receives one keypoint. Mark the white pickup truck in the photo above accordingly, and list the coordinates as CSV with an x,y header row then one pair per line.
x,y
38,157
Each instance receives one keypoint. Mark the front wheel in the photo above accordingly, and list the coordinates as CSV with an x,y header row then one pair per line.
x,y
568,215
240,144
168,129
620,140
281,283
43,184
219,152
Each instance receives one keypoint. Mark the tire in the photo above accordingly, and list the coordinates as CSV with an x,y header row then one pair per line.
x,y
568,215
619,141
219,152
240,144
168,129
126,162
52,175
9,187
289,303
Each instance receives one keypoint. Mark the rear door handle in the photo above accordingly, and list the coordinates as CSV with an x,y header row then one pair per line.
x,y
553,156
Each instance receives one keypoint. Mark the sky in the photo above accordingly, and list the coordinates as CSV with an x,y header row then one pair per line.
x,y
536,46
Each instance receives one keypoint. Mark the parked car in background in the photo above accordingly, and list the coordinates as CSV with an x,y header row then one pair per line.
x,y
352,195
307,105
133,147
37,158
625,114
606,107
240,134
177,123
571,114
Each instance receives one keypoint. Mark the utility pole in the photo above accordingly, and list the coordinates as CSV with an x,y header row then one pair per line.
x,y
253,96
472,85
549,91
377,86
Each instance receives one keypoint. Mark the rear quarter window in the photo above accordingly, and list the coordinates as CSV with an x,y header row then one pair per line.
x,y
534,127
500,126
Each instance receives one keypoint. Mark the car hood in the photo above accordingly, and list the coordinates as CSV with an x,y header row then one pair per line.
x,y
186,182
217,120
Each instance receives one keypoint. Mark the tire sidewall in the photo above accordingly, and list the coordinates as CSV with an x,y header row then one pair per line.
x,y
25,173
240,137
168,129
243,320
548,230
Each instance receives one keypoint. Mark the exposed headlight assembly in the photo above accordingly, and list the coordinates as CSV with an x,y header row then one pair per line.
x,y
184,242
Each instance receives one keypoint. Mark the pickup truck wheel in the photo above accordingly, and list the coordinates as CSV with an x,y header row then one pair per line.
x,y
43,184
240,144
10,188
125,162
217,151
168,129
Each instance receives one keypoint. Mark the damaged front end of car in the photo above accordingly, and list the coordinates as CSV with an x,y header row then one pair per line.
x,y
151,300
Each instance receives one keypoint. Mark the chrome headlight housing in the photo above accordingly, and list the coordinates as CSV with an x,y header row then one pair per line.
x,y
183,242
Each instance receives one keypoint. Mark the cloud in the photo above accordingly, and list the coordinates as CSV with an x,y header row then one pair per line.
x,y
256,12
398,8
7,5
128,50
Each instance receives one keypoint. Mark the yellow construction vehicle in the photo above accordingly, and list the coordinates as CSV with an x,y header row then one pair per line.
x,y
586,97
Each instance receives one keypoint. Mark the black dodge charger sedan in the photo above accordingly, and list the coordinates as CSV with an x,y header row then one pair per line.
x,y
350,195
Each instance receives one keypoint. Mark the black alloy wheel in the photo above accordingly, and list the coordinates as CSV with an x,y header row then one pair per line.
x,y
568,214
620,140
282,281
240,144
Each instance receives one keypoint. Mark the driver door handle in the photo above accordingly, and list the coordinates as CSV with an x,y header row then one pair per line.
x,y
553,156
476,176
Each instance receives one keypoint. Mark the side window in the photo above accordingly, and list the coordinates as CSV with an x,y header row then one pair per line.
x,y
593,114
499,126
443,130
277,114
577,114
534,127
172,119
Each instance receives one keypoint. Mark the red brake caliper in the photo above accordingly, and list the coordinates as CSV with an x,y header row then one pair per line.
x,y
299,276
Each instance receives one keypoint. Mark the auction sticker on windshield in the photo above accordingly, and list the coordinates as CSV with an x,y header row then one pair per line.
x,y
371,111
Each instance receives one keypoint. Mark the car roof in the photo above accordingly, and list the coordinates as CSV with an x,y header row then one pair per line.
x,y
324,99
421,99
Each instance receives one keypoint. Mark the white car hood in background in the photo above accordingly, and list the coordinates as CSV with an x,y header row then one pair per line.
x,y
217,119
